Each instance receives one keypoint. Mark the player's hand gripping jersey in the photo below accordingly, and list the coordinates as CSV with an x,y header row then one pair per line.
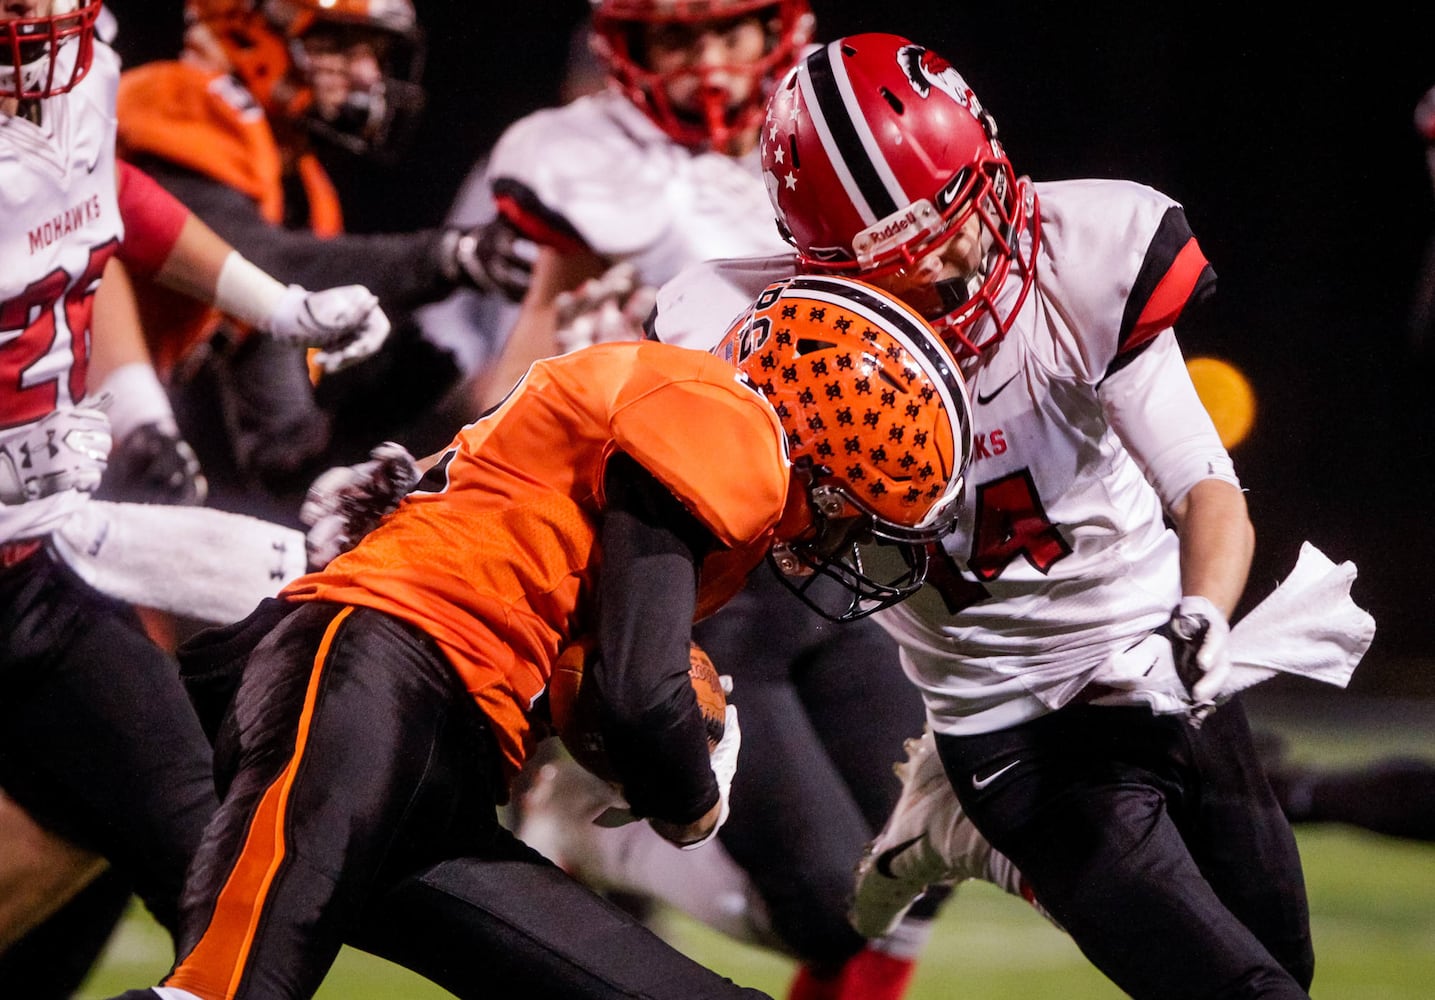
x,y
1047,513
598,174
501,572
58,198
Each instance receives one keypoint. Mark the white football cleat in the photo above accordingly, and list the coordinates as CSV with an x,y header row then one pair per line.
x,y
928,840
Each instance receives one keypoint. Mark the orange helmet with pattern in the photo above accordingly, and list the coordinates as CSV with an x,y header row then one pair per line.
x,y
48,50
878,429
262,40
620,32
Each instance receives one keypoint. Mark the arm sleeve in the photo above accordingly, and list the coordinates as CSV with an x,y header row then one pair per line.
x,y
1154,409
153,219
402,269
647,593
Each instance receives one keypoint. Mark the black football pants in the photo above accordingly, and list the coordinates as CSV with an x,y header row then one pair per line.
x,y
360,782
824,710
1159,847
98,741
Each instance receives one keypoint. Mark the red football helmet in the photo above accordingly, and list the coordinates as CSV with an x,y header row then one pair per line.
x,y
878,432
618,39
32,63
261,40
876,153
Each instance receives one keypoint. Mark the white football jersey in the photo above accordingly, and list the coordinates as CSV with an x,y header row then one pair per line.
x,y
61,224
600,167
1061,563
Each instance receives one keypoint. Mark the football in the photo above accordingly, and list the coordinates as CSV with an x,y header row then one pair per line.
x,y
573,707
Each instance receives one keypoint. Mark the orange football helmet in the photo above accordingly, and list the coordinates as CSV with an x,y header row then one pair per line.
x,y
878,429
48,53
262,41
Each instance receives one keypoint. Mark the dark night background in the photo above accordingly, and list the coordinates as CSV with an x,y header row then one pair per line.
x,y
1288,139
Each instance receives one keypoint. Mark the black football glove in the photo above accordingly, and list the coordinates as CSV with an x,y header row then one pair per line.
x,y
1199,635
492,257
153,464
346,503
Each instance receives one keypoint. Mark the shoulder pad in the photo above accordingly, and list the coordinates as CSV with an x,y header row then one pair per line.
x,y
1121,261
698,305
595,163
202,121
712,441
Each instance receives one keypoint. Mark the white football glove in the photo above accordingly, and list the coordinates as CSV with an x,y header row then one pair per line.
x,y
67,450
1199,632
610,307
345,323
344,504
724,763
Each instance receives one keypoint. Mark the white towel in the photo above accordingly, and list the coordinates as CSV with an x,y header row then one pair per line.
x,y
1307,626
199,562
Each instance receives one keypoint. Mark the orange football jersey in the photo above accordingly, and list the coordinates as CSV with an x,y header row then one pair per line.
x,y
207,122
495,553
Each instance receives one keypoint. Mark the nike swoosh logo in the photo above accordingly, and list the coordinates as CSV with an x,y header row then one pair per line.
x,y
984,398
945,196
885,859
980,783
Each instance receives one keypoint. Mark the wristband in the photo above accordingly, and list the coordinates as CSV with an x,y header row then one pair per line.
x,y
246,293
136,398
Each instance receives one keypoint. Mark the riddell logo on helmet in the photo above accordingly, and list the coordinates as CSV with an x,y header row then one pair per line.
x,y
890,232
896,229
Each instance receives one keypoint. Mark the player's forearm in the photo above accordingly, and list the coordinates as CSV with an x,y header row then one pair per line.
x,y
647,590
120,361
166,241
532,336
402,269
1217,542
116,338
194,265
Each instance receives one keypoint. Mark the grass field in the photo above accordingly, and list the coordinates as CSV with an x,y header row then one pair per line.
x,y
1372,903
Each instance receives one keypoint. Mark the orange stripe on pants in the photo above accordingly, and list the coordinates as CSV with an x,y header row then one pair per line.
x,y
215,966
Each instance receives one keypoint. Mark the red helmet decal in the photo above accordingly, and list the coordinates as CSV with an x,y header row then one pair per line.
x,y
927,71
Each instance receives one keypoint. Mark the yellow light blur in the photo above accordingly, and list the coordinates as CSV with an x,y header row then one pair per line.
x,y
1227,395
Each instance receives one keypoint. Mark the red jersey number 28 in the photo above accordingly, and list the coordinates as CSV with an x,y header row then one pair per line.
x,y
35,314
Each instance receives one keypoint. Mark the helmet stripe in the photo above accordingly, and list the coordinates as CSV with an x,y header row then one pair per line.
x,y
896,194
833,117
